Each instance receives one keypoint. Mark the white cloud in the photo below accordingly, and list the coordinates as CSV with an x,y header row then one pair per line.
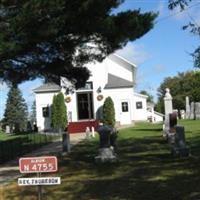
x,y
159,69
134,53
161,8
3,86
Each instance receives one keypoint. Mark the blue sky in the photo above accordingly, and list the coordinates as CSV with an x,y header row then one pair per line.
x,y
162,52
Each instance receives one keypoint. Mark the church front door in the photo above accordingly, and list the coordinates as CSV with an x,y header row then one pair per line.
x,y
85,105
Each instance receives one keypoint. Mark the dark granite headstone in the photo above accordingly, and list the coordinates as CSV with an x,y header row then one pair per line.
x,y
104,135
66,142
180,148
172,130
107,136
172,120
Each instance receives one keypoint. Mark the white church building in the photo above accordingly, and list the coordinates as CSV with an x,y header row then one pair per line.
x,y
114,77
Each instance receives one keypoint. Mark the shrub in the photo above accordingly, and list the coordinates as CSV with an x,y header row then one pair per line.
x,y
109,112
59,112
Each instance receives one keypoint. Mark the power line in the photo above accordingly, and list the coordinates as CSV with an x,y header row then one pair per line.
x,y
176,13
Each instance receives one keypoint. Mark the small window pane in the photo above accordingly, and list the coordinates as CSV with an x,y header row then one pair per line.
x,y
124,106
88,86
45,111
139,105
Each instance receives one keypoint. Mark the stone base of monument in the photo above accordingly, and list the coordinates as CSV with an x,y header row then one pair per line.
x,y
180,148
106,155
171,138
180,152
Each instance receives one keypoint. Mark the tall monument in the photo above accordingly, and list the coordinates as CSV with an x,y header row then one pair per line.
x,y
168,110
168,102
187,107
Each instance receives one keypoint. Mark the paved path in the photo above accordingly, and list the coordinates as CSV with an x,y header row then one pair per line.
x,y
10,170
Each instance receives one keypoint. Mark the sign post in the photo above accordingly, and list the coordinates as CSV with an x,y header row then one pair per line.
x,y
38,165
39,188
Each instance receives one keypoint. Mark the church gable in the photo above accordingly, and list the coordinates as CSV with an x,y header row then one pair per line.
x,y
117,82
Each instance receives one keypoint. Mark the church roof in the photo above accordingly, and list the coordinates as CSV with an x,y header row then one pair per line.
x,y
117,82
122,61
47,87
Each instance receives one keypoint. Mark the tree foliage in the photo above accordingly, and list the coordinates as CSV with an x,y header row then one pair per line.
x,y
59,112
193,26
33,112
182,3
150,97
109,112
16,113
56,38
182,85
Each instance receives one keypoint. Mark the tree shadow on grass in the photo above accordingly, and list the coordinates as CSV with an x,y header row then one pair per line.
x,y
145,171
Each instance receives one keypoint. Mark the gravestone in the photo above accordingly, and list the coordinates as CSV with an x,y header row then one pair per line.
x,y
87,132
172,120
192,110
183,114
180,148
187,108
172,125
168,110
106,151
92,132
168,101
7,129
197,110
66,142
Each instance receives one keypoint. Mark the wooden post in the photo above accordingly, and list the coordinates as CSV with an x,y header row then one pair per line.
x,y
39,188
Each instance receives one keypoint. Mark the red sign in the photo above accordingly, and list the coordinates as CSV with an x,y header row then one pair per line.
x,y
38,164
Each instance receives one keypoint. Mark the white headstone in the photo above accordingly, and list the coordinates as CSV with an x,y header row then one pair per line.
x,y
168,102
182,114
93,133
187,107
7,129
197,110
87,132
192,110
168,109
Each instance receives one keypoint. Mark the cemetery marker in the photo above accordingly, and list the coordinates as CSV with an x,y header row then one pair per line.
x,y
38,165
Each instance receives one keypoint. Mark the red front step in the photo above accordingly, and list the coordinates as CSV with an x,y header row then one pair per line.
x,y
80,126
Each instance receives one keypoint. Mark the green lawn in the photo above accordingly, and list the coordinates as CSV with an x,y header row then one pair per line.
x,y
4,136
145,171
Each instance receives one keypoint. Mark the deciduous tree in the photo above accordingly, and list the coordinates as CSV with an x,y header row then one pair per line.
x,y
193,25
181,85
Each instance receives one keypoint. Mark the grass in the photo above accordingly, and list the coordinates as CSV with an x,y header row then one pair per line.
x,y
4,136
145,171
29,136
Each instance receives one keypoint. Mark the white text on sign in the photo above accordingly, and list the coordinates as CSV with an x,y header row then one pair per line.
x,y
38,164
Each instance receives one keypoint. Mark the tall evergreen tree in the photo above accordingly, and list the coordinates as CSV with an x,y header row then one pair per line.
x,y
41,34
33,113
59,112
109,112
16,110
